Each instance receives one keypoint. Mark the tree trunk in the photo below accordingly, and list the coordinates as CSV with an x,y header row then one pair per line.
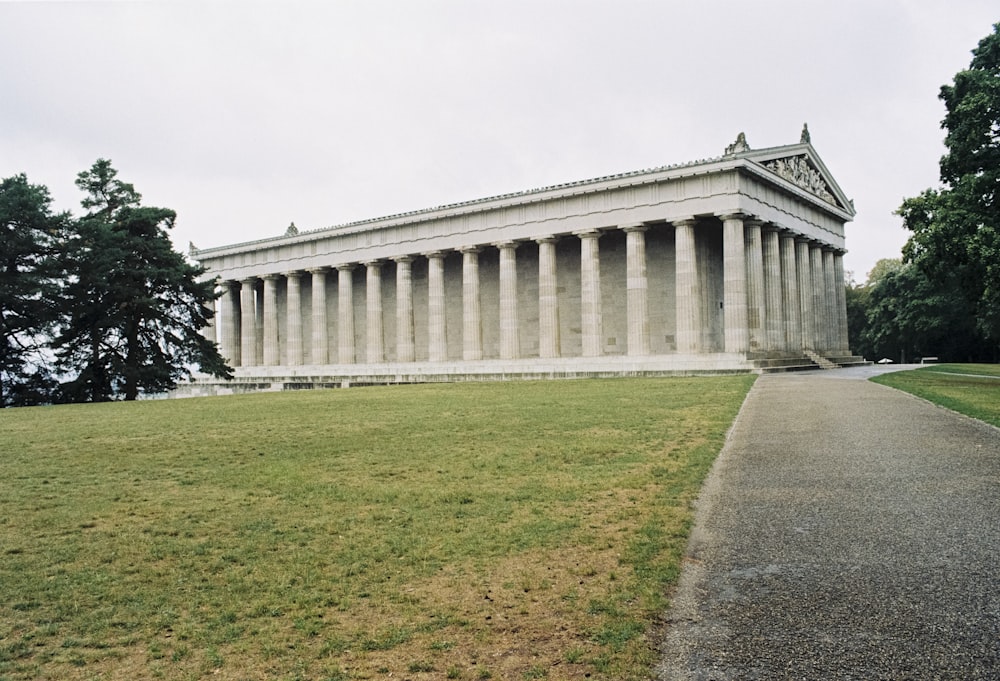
x,y
132,360
97,371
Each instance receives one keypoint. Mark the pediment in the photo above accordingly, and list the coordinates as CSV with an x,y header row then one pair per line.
x,y
800,165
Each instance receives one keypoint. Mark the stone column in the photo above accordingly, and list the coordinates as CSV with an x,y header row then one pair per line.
x,y
734,265
270,312
345,314
437,340
472,327
320,341
756,312
832,330
230,324
688,288
293,320
636,289
404,309
248,321
510,346
803,267
590,293
548,298
209,331
259,325
819,296
790,293
844,344
375,340
773,310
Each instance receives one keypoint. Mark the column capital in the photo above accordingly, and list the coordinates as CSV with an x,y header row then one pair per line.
x,y
271,277
402,258
249,280
470,249
509,243
293,274
687,221
751,221
373,264
318,270
347,267
734,215
550,239
771,227
434,254
588,233
634,227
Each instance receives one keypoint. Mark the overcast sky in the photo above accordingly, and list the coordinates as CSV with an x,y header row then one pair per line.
x,y
246,116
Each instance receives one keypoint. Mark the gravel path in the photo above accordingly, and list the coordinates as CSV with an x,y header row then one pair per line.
x,y
847,531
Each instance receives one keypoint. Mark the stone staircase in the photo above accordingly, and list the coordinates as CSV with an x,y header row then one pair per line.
x,y
820,360
808,360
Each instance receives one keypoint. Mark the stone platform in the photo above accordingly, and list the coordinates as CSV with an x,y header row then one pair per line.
x,y
260,379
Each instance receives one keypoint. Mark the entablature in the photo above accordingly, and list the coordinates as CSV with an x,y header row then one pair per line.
x,y
751,182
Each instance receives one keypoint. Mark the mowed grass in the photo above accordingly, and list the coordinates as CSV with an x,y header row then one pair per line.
x,y
518,530
970,389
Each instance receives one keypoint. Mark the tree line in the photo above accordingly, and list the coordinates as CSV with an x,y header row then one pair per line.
x,y
97,307
942,297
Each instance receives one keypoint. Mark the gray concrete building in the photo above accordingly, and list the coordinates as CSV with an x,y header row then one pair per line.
x,y
731,264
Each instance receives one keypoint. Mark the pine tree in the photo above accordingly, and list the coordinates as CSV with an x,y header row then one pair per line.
x,y
29,276
134,308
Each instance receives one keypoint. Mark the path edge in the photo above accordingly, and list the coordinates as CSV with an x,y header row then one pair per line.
x,y
682,618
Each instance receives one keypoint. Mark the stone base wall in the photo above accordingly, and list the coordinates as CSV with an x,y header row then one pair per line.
x,y
258,379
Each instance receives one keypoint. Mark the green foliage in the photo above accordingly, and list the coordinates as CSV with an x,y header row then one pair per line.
x,y
102,303
956,229
133,306
29,276
857,297
902,315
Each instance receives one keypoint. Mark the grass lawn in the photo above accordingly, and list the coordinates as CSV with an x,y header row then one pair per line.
x,y
971,389
520,530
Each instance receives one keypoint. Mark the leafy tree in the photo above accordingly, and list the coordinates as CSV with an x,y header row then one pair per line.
x,y
956,229
908,316
857,299
29,276
134,307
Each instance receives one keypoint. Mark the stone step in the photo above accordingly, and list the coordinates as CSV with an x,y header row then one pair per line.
x,y
821,361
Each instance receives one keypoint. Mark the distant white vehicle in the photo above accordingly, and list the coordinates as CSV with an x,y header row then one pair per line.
x,y
884,360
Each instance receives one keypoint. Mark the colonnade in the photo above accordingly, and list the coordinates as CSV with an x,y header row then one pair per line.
x,y
781,294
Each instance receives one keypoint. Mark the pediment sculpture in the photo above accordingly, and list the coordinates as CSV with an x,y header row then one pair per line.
x,y
798,171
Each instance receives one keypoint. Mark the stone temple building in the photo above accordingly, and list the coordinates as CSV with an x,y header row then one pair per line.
x,y
732,264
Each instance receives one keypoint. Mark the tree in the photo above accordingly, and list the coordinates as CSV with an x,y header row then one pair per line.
x,y
134,308
29,276
956,229
857,300
906,316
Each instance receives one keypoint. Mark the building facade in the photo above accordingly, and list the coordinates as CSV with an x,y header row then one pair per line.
x,y
725,265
